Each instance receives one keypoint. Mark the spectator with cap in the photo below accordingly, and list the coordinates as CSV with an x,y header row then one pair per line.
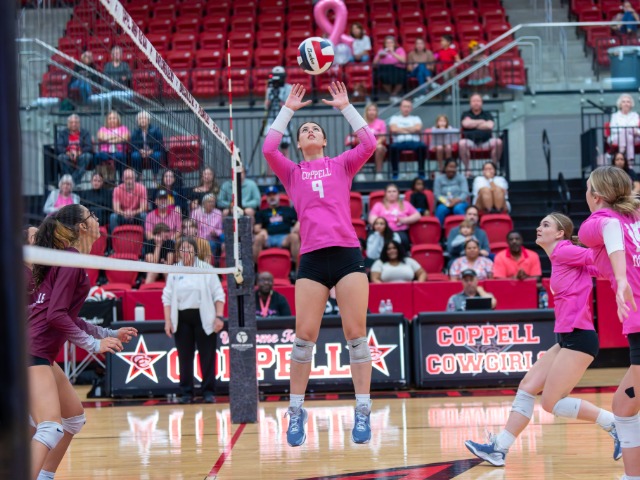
x,y
516,262
270,303
470,289
162,214
74,148
276,226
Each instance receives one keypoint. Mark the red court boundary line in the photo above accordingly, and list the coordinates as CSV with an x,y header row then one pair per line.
x,y
227,451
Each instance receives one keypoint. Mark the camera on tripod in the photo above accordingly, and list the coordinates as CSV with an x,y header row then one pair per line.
x,y
277,77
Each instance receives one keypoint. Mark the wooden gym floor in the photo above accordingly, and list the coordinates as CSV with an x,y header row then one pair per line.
x,y
417,437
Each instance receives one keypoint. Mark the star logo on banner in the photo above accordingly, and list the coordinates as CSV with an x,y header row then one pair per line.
x,y
378,352
141,361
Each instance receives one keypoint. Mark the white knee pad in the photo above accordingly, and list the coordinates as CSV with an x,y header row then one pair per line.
x,y
302,351
73,425
567,407
523,403
359,351
32,422
49,434
628,429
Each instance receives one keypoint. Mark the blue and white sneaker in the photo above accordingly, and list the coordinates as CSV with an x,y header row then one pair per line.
x,y
361,432
297,420
617,448
488,451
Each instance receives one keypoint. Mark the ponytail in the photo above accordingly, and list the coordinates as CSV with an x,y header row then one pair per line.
x,y
615,187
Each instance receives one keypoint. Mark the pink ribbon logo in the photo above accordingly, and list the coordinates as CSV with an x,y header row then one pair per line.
x,y
335,30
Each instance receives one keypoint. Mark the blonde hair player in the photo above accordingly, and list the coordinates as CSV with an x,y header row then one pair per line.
x,y
564,364
330,251
611,231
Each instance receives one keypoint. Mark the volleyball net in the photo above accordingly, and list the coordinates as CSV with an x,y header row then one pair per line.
x,y
130,143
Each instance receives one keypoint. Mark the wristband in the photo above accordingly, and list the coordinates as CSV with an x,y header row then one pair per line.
x,y
352,116
96,345
282,120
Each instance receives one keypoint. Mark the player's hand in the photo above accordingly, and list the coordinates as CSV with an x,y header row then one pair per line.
x,y
125,334
624,298
167,329
340,99
110,345
294,100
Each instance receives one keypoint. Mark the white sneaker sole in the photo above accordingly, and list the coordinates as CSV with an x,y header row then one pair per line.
x,y
483,456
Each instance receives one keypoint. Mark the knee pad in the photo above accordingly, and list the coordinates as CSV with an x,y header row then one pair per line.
x,y
302,351
628,429
73,425
359,351
32,422
567,407
49,434
523,403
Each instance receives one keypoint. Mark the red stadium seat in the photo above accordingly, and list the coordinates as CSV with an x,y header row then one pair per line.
x,y
101,43
243,24
181,59
165,10
123,279
284,201
274,40
299,21
188,24
193,8
465,15
360,227
355,204
470,31
410,33
215,24
451,222
168,91
184,153
430,200
184,42
276,261
429,256
240,81
511,72
375,197
70,45
296,75
152,286
127,240
209,58
160,41
438,16
497,226
160,25
268,57
289,292
497,247
213,41
54,84
425,230
359,74
241,41
270,23
260,79
99,247
145,82
205,82
296,37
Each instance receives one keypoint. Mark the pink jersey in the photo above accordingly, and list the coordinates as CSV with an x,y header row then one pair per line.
x,y
320,190
571,285
591,236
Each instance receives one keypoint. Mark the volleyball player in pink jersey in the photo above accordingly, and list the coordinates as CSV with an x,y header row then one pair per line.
x,y
59,294
612,231
330,250
564,364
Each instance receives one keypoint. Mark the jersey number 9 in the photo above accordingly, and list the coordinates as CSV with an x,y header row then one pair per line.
x,y
316,186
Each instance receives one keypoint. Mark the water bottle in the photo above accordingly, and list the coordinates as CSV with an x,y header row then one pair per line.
x,y
543,299
389,306
449,197
138,313
382,308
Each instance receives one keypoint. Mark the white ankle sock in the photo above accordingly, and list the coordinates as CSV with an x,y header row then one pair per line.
x,y
629,477
44,475
504,440
605,419
363,399
296,401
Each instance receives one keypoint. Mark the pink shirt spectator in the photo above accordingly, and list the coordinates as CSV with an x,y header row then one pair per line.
x,y
482,266
133,200
391,60
320,190
208,222
591,235
122,131
571,271
393,213
378,127
62,201
171,219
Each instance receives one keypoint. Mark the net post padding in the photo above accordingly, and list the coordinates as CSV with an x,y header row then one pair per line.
x,y
243,387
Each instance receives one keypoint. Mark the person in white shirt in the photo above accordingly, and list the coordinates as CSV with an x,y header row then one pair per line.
x,y
193,307
394,266
490,191
406,135
624,126
361,45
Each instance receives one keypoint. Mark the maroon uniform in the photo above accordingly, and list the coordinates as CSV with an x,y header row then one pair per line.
x,y
29,286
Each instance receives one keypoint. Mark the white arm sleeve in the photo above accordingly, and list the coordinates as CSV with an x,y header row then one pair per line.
x,y
282,120
352,116
613,236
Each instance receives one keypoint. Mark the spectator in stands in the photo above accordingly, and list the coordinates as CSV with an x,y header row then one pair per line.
x,y
380,235
190,229
472,215
420,62
490,191
172,183
442,136
162,214
451,190
390,62
276,226
74,149
470,289
147,143
98,199
83,76
447,56
417,198
193,306
117,70
208,184
159,249
465,232
250,196
405,135
620,161
471,259
624,127
129,202
113,138
209,221
379,129
270,303
398,213
516,262
361,45
395,266
477,126
628,14
61,196
482,76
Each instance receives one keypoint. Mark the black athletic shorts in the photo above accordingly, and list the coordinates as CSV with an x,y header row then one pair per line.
x,y
36,361
585,341
329,265
634,348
